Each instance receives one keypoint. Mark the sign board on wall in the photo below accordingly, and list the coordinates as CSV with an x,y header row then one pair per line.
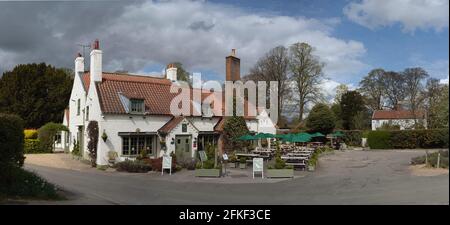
x,y
166,164
258,166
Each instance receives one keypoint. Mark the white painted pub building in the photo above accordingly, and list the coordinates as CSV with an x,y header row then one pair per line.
x,y
133,112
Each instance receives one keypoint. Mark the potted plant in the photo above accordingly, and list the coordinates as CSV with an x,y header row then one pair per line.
x,y
104,136
280,169
233,161
242,163
207,169
112,156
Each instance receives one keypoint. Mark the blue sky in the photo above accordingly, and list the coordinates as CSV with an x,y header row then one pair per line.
x,y
388,47
350,36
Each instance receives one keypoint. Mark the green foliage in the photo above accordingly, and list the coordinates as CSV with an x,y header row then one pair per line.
x,y
133,166
352,137
279,163
30,134
92,130
32,146
19,183
11,141
389,126
46,135
321,119
76,148
352,103
234,127
38,93
432,159
408,139
336,109
316,154
379,139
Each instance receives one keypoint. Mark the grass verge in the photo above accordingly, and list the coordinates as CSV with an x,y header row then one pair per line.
x,y
19,184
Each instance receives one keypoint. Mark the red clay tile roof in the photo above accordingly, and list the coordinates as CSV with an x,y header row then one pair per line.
x,y
396,114
155,92
171,124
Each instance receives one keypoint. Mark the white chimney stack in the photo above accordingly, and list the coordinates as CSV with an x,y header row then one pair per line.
x,y
79,64
96,62
171,72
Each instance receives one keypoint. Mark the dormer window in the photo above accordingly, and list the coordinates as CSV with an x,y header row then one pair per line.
x,y
137,106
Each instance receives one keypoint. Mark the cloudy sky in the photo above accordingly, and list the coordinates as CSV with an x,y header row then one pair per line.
x,y
350,36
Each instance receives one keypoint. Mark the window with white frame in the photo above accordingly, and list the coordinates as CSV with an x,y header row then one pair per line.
x,y
136,105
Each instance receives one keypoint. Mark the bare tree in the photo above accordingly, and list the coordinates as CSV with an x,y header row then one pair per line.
x,y
273,67
372,88
394,88
340,90
413,78
307,74
436,103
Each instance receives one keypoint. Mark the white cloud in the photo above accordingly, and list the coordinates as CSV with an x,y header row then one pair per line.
x,y
201,34
412,14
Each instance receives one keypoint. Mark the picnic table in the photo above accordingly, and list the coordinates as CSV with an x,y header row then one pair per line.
x,y
296,161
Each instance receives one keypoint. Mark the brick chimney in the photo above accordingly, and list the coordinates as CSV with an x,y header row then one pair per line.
x,y
232,67
96,62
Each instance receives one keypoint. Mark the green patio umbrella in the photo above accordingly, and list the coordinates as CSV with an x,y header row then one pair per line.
x,y
317,134
246,137
301,137
337,134
263,136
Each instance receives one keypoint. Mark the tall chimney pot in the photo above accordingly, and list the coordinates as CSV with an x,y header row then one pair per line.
x,y
96,44
232,67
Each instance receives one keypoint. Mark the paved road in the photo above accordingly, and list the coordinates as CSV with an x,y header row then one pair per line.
x,y
352,177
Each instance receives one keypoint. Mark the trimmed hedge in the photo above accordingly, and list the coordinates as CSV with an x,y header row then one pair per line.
x,y
408,139
11,141
30,134
133,166
379,139
32,146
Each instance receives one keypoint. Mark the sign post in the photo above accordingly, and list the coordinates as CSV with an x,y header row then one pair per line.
x,y
225,160
166,164
258,166
203,156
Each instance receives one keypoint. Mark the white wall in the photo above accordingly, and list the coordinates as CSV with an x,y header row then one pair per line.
x,y
170,137
403,123
113,124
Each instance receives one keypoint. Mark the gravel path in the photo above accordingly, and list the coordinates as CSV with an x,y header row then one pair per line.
x,y
351,177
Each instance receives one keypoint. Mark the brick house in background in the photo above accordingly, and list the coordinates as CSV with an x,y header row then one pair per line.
x,y
405,119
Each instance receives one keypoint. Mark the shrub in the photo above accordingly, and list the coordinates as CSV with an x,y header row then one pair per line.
x,y
401,139
379,139
76,148
133,166
46,135
25,184
432,159
30,134
92,130
352,137
32,146
233,128
156,164
321,119
11,141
